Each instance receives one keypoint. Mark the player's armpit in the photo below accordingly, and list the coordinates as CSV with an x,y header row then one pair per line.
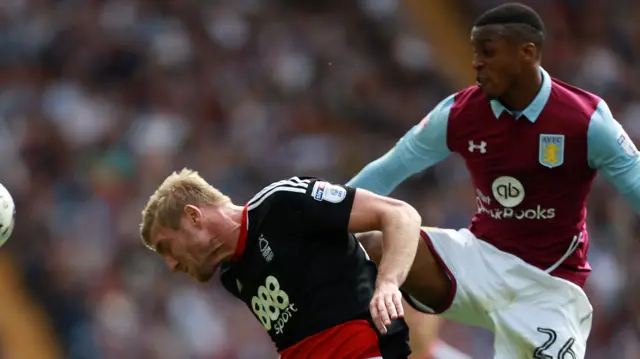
x,y
427,282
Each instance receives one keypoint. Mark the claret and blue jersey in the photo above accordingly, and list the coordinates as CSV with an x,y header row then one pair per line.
x,y
532,170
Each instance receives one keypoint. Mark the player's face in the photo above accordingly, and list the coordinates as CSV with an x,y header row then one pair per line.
x,y
495,60
187,249
199,251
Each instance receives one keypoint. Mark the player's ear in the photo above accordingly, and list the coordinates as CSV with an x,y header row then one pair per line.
x,y
529,51
194,214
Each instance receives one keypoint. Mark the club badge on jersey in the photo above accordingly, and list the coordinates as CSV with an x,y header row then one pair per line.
x,y
551,150
325,191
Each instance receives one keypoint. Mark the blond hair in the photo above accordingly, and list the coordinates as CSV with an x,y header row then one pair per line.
x,y
166,205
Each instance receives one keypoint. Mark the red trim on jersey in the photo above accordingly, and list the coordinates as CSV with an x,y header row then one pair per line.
x,y
355,339
242,237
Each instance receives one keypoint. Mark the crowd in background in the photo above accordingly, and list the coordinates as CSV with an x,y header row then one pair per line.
x,y
101,99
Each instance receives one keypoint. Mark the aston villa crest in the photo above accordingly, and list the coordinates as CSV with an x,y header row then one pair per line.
x,y
551,150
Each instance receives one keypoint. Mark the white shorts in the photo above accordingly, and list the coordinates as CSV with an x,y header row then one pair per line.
x,y
532,314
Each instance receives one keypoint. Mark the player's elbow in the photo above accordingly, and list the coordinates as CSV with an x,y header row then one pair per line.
x,y
402,212
412,214
371,212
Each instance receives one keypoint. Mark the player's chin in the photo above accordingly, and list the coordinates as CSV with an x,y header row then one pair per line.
x,y
489,91
204,275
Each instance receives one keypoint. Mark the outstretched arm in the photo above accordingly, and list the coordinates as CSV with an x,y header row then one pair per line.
x,y
612,153
423,146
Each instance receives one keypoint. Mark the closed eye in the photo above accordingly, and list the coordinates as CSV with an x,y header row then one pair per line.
x,y
161,249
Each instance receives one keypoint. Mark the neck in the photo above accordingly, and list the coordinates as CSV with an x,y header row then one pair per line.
x,y
232,217
235,216
524,91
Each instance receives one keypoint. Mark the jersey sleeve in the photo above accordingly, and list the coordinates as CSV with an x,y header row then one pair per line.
x,y
612,153
315,205
421,147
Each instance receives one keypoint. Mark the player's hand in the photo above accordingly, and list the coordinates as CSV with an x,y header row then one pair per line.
x,y
386,305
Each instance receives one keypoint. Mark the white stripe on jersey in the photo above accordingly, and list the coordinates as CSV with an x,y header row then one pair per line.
x,y
293,181
293,184
366,255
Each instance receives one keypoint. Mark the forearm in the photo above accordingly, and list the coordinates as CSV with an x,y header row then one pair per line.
x,y
400,230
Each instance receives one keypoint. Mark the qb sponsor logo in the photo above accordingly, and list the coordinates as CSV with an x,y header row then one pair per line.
x,y
271,305
509,192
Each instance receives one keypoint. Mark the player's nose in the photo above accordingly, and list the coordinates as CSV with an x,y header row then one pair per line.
x,y
172,263
477,63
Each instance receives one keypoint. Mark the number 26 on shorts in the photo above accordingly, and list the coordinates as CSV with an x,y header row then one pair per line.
x,y
565,352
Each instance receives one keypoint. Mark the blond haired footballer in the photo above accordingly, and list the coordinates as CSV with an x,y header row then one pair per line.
x,y
289,254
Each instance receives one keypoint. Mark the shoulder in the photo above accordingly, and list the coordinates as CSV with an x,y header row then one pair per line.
x,y
451,106
438,117
468,100
573,99
469,96
279,190
603,128
292,193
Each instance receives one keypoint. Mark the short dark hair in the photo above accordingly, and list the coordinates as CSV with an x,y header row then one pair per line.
x,y
524,20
